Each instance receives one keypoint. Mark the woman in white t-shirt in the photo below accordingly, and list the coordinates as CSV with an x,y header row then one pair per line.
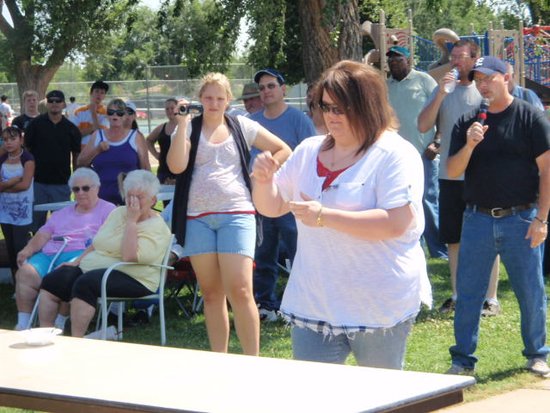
x,y
213,214
359,275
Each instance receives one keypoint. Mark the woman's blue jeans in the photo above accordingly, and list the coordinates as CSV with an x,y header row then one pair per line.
x,y
383,348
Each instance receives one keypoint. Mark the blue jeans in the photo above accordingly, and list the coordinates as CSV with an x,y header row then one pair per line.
x,y
383,347
266,273
483,237
430,203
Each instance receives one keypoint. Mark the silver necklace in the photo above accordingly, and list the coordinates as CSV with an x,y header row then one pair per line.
x,y
15,156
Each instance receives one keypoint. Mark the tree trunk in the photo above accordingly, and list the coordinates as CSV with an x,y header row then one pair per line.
x,y
320,51
34,77
350,40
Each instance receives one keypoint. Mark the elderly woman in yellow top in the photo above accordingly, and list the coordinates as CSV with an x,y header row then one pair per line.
x,y
133,233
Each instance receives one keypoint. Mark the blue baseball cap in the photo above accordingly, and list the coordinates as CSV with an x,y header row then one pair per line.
x,y
400,50
488,65
270,72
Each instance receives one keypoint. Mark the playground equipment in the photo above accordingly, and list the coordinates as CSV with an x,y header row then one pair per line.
x,y
527,49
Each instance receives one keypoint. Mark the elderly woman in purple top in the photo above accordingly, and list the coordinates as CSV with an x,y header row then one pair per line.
x,y
113,151
77,224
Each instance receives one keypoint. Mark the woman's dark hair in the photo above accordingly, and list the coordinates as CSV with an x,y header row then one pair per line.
x,y
360,90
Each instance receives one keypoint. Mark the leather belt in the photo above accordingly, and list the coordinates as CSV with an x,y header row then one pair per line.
x,y
501,212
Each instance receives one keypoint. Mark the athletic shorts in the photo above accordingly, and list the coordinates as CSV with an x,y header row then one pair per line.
x,y
451,210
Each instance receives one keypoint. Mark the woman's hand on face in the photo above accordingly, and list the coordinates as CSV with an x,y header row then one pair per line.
x,y
306,211
133,208
264,167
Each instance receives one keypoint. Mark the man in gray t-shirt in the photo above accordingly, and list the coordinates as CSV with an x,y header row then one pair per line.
x,y
443,110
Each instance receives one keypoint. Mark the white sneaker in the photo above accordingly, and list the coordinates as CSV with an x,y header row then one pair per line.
x,y
112,334
268,316
538,366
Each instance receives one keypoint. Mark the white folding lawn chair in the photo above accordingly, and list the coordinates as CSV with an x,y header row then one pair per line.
x,y
34,313
158,296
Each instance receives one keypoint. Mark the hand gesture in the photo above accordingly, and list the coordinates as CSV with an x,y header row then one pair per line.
x,y
474,134
103,146
308,211
264,167
133,208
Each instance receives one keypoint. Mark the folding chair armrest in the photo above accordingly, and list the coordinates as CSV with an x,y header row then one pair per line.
x,y
104,279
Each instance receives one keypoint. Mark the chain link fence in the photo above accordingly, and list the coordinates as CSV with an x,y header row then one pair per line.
x,y
161,83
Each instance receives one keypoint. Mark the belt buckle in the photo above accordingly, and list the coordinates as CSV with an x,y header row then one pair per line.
x,y
495,212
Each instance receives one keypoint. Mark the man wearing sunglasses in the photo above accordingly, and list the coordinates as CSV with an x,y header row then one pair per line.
x,y
54,142
93,116
292,126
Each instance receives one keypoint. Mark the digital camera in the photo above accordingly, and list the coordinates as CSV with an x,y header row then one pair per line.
x,y
190,109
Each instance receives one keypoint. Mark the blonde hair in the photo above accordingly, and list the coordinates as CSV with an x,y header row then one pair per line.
x,y
216,78
29,93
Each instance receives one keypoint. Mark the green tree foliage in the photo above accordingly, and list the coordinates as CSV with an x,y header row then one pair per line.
x,y
201,35
127,51
462,16
45,32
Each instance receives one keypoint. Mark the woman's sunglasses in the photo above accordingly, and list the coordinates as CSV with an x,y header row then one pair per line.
x,y
119,113
77,189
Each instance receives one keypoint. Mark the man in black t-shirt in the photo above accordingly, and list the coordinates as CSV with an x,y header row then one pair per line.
x,y
53,140
505,156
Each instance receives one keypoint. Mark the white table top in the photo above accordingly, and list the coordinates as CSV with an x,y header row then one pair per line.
x,y
151,378
53,206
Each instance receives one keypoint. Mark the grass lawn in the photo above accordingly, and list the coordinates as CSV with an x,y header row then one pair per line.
x,y
500,366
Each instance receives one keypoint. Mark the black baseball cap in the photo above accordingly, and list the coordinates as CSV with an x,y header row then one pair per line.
x,y
55,94
270,72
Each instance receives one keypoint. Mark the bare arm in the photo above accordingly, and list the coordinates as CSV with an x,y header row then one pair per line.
x,y
428,116
25,181
88,130
372,224
90,151
34,245
143,154
538,231
457,164
267,141
178,154
265,194
129,245
152,139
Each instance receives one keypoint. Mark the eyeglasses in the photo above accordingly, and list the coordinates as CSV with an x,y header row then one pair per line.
x,y
130,111
485,79
54,100
335,109
270,86
459,57
77,189
119,113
